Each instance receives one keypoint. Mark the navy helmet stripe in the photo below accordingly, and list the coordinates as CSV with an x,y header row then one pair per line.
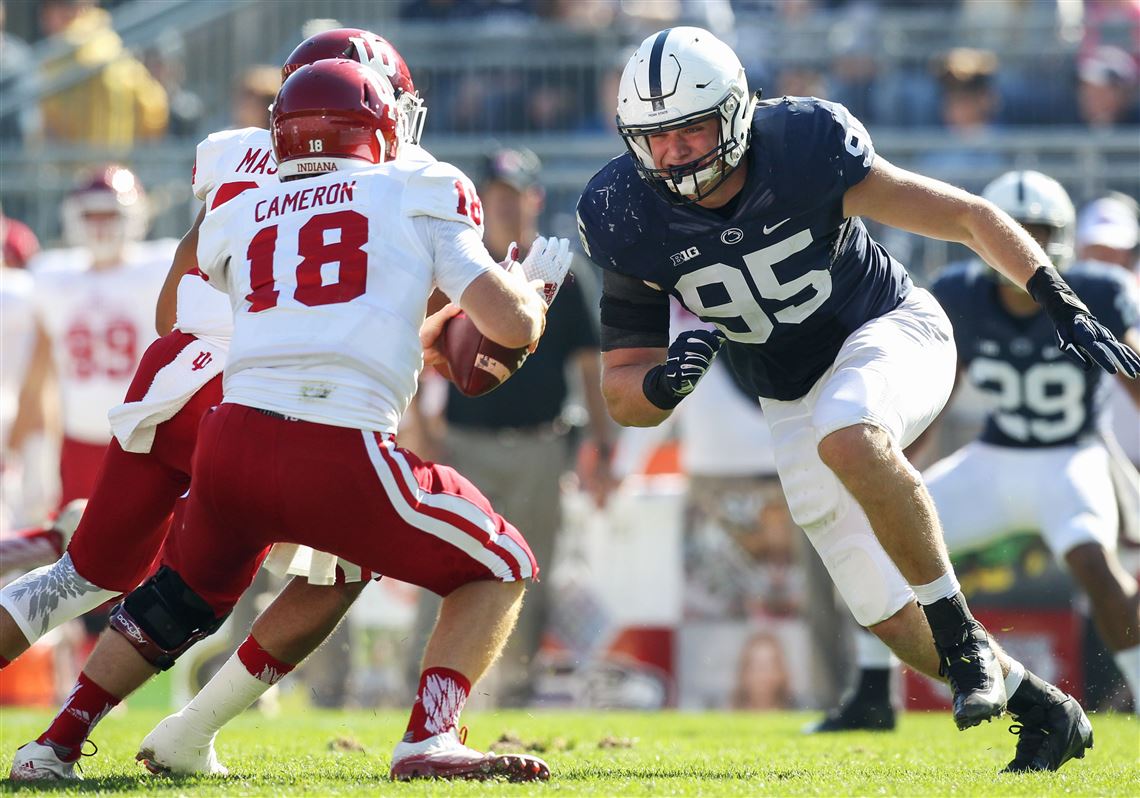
x,y
655,69
1021,188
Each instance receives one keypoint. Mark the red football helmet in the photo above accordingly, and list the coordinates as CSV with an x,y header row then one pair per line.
x,y
106,210
374,52
331,115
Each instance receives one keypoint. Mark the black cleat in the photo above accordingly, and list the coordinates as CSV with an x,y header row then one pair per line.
x,y
975,677
856,712
1050,734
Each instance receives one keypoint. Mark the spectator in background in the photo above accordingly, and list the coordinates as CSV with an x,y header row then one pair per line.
x,y
254,92
101,96
1106,88
969,106
1114,23
166,60
513,442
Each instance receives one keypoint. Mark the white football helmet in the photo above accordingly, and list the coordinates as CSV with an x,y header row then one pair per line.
x,y
105,211
1034,198
679,76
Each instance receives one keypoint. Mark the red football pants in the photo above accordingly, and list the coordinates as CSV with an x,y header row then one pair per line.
x,y
261,479
126,521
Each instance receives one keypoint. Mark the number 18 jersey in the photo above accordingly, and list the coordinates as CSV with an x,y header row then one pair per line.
x,y
329,278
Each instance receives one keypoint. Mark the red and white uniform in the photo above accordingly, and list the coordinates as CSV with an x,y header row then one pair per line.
x,y
329,278
17,337
99,323
178,380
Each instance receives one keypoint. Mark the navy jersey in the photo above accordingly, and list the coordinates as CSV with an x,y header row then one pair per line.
x,y
786,277
1043,398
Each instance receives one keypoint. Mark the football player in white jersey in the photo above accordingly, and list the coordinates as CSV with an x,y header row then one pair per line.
x,y
35,757
156,430
1044,429
93,320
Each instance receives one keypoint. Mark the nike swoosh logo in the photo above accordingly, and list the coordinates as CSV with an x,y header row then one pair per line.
x,y
768,229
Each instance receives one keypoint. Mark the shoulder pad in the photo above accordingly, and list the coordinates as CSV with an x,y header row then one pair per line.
x,y
59,260
223,156
442,191
614,211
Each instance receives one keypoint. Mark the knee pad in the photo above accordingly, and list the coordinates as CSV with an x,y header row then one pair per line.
x,y
816,499
163,617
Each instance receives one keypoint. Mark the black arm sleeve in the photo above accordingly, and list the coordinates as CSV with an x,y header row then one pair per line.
x,y
633,314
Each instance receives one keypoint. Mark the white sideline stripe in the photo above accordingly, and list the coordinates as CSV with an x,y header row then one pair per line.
x,y
433,526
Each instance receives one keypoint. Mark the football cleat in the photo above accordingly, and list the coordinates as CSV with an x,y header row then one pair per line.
x,y
167,752
38,762
1050,734
856,712
445,756
975,677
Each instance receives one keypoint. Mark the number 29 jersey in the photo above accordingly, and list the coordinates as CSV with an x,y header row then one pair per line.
x,y
1042,398
786,277
329,278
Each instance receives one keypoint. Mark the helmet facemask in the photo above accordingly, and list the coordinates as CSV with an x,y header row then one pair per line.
x,y
693,181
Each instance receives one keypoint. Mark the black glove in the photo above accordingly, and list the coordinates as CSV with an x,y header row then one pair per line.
x,y
1079,335
689,358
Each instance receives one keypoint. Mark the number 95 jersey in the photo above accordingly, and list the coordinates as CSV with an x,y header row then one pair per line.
x,y
1042,398
329,278
779,270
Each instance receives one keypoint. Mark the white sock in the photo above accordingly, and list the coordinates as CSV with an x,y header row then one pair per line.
x,y
231,691
1128,661
1014,677
873,653
944,586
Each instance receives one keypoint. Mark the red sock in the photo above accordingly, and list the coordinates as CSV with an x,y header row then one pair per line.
x,y
260,663
439,700
85,707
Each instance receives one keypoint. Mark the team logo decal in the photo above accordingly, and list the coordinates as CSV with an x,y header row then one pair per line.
x,y
732,235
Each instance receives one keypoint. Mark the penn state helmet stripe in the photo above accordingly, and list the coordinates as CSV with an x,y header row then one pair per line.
x,y
655,70
1021,188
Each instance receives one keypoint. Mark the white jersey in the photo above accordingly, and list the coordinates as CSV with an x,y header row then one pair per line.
x,y
329,278
17,336
99,323
226,164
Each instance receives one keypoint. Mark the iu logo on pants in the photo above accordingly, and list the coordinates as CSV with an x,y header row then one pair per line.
x,y
201,361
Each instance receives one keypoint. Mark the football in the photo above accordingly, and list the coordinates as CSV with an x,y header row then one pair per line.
x,y
477,364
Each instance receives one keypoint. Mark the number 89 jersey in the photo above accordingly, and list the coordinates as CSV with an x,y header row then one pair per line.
x,y
329,278
1043,398
780,270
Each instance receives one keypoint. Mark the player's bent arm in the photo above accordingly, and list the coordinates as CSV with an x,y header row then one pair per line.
x,y
623,377
504,308
185,259
34,409
918,204
1132,338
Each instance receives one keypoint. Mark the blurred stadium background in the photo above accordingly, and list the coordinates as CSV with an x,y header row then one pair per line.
x,y
958,89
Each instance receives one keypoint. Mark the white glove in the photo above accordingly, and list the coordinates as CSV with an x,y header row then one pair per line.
x,y
548,260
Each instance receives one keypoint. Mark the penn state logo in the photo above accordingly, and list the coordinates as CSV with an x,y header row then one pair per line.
x,y
732,235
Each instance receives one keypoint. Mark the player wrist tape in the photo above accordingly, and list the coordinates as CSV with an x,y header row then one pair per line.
x,y
1052,293
657,392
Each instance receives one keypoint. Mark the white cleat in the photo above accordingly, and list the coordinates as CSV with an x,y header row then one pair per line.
x,y
36,762
445,756
166,752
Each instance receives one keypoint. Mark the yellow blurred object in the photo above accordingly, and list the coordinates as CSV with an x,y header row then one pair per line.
x,y
115,106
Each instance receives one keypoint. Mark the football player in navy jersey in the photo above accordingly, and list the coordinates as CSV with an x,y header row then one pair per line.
x,y
748,212
1040,462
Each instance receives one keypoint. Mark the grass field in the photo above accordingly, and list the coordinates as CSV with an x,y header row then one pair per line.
x,y
615,753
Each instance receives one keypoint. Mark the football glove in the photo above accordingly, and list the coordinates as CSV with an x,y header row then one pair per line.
x,y
548,260
690,356
1079,335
